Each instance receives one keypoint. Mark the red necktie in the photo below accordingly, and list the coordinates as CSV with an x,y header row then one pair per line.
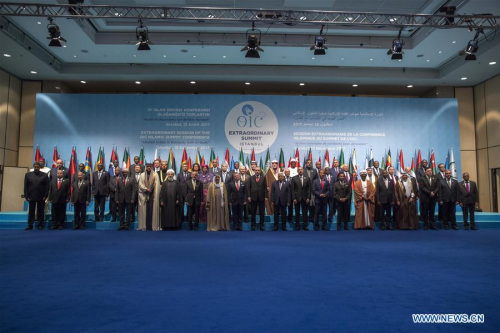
x,y
237,186
321,183
59,184
257,179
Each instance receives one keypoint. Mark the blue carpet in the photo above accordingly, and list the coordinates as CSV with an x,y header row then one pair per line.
x,y
355,281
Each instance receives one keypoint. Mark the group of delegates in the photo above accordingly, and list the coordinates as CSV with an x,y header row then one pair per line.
x,y
216,195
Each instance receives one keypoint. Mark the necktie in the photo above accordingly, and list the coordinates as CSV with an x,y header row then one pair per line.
x,y
125,181
185,175
257,179
99,176
321,183
467,187
449,183
59,183
194,184
237,186
301,180
79,184
280,186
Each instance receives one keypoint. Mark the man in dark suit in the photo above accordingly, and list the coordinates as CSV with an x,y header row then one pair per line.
x,y
137,177
429,192
245,178
301,193
311,172
225,177
113,182
100,190
126,191
288,180
343,194
182,178
468,198
281,198
80,199
385,198
257,195
394,179
235,170
59,197
377,171
237,199
421,171
448,198
81,168
321,190
441,175
36,191
193,194
331,178
215,170
132,169
59,166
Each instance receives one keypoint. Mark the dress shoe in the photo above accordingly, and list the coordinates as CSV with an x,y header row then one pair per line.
x,y
53,227
434,227
30,227
76,227
253,227
275,228
113,220
382,227
346,226
126,228
426,227
454,227
324,228
305,228
446,227
466,227
316,227
190,226
120,228
284,228
339,226
261,227
473,227
390,227
60,227
297,227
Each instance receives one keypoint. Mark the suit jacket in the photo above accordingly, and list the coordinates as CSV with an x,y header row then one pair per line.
x,y
257,191
377,172
228,178
313,174
384,194
317,190
100,186
281,197
53,173
348,178
215,171
237,197
342,190
112,185
125,193
191,195
468,198
420,173
36,186
131,170
447,193
86,176
81,194
301,192
331,183
427,187
182,182
62,194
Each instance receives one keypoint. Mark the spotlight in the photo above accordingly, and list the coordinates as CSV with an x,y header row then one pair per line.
x,y
319,46
141,34
471,49
448,10
55,34
397,49
472,46
253,43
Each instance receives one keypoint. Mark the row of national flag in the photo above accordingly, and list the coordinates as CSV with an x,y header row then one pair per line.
x,y
243,160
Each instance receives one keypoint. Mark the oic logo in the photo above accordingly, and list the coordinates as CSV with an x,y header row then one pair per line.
x,y
250,125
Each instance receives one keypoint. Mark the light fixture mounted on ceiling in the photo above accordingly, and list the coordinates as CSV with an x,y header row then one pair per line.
x,y
319,46
55,33
472,46
450,12
397,48
142,36
253,43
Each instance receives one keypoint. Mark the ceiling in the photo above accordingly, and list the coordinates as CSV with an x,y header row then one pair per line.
x,y
103,53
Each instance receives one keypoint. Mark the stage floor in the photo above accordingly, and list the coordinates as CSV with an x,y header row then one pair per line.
x,y
354,281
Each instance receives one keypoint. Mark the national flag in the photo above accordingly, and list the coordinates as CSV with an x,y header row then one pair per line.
x,y
141,156
126,159
327,159
190,167
99,158
447,161
282,159
232,163
171,160
38,156
401,161
242,158
268,160
156,154
198,157
351,168
113,155
261,165
88,163
226,158
252,158
398,168
310,155
412,172
248,163
388,161
55,157
433,163
452,166
366,162
419,159
184,158
383,159
202,160
290,161
212,157
341,157
297,157
354,161
217,159
72,167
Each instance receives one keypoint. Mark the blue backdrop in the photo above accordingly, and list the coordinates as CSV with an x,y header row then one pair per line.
x,y
246,121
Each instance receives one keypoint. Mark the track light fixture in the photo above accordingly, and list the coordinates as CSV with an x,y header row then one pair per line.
x,y
55,33
319,46
397,48
450,11
253,43
141,34
472,46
